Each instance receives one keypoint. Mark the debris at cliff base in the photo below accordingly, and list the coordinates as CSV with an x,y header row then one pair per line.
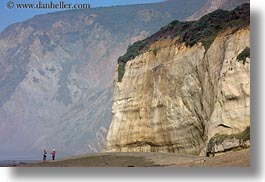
x,y
222,142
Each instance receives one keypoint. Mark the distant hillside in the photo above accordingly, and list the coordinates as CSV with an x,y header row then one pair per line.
x,y
212,5
56,74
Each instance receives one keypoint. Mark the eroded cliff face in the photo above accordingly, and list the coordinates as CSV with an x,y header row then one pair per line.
x,y
174,98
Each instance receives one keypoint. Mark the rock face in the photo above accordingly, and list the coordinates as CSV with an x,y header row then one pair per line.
x,y
227,145
56,74
174,97
224,142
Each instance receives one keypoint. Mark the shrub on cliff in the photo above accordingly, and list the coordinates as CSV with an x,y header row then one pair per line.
x,y
132,51
243,55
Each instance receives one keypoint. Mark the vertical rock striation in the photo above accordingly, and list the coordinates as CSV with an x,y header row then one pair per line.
x,y
174,96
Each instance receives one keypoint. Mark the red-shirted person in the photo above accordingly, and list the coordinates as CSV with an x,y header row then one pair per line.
x,y
53,154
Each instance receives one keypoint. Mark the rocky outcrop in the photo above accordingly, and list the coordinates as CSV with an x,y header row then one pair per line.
x,y
221,143
175,95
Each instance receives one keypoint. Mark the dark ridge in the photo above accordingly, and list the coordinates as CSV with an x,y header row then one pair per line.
x,y
204,30
231,4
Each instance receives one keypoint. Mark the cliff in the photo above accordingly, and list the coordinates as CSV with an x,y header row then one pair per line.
x,y
56,74
181,88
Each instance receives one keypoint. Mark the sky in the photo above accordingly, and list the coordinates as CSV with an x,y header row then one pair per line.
x,y
9,16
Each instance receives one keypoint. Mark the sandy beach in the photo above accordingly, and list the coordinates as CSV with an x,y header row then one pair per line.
x,y
232,159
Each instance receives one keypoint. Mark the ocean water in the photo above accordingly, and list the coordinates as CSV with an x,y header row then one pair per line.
x,y
12,163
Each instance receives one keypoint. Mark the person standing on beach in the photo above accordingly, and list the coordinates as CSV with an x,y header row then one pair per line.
x,y
44,155
53,154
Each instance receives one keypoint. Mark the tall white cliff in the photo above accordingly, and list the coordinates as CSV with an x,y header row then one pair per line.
x,y
175,98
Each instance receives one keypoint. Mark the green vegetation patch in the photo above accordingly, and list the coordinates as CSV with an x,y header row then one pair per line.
x,y
170,26
155,50
220,138
121,71
244,55
132,51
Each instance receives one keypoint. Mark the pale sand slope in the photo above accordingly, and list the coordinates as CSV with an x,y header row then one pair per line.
x,y
231,159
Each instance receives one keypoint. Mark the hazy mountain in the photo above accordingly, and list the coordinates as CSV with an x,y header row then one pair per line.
x,y
56,74
212,5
